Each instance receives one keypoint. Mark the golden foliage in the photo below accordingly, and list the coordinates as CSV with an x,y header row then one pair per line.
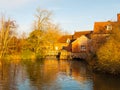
x,y
7,31
109,54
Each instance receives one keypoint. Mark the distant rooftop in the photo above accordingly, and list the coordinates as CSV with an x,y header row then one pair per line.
x,y
80,33
64,38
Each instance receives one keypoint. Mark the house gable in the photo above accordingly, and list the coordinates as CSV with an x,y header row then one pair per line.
x,y
80,44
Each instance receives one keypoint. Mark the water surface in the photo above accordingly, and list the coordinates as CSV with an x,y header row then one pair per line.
x,y
51,74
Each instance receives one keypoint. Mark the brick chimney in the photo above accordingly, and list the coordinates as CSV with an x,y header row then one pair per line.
x,y
118,17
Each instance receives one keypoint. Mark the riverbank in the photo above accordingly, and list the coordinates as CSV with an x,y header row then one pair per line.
x,y
24,55
108,67
105,67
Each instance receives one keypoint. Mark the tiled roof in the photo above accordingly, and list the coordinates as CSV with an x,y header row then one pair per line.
x,y
101,27
64,38
78,34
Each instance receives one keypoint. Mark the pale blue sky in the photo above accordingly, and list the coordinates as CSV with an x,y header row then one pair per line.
x,y
71,15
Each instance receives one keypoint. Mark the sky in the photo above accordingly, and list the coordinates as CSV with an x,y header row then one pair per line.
x,y
70,15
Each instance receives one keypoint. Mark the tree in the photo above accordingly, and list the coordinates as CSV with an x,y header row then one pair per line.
x,y
42,19
52,35
108,54
7,31
36,37
44,34
35,40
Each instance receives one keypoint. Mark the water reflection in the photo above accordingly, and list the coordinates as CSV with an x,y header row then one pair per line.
x,y
106,82
51,75
8,75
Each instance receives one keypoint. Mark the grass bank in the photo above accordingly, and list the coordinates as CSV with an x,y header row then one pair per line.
x,y
24,55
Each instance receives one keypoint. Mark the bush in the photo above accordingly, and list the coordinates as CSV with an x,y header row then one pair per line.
x,y
27,54
109,56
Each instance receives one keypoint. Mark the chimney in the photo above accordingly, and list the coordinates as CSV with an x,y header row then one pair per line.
x,y
118,17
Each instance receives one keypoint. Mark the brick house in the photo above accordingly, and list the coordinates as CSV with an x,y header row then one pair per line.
x,y
64,42
101,32
81,42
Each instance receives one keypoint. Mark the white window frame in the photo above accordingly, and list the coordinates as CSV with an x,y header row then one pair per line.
x,y
68,41
83,47
109,27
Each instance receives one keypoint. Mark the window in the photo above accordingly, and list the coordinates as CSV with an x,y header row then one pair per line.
x,y
83,48
68,41
109,27
56,48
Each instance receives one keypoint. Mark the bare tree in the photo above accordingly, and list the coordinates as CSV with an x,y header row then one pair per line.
x,y
6,33
44,34
42,19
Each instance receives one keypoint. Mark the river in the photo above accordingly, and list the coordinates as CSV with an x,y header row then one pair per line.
x,y
51,74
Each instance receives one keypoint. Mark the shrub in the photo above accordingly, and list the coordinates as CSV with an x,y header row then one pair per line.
x,y
109,56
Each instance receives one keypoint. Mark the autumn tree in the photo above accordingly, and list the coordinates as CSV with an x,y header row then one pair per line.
x,y
43,18
108,54
52,35
23,42
7,31
44,32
